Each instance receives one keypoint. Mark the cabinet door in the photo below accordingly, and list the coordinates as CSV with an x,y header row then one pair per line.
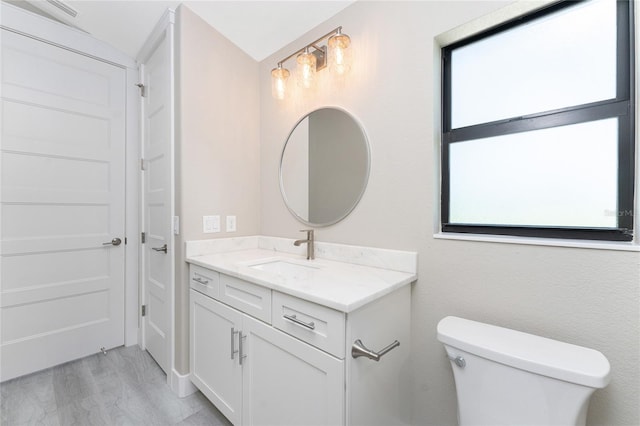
x,y
288,382
215,369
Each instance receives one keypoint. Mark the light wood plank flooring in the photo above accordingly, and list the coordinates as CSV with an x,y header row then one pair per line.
x,y
124,387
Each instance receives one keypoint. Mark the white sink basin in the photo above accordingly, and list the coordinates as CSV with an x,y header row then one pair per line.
x,y
284,268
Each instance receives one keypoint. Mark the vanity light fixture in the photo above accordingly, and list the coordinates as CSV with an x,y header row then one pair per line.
x,y
279,77
313,58
339,52
306,68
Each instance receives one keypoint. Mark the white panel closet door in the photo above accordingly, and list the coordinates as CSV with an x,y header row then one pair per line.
x,y
157,151
62,198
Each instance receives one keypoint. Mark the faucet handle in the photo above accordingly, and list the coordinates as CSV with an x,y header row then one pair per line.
x,y
308,231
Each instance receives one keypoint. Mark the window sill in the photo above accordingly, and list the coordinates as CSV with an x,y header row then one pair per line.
x,y
550,242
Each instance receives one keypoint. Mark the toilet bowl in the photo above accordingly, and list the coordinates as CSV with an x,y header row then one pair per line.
x,y
506,377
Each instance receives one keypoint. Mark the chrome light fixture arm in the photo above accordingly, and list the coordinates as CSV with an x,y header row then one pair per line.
x,y
312,44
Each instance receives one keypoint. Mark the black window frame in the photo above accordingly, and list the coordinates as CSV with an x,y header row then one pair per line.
x,y
622,107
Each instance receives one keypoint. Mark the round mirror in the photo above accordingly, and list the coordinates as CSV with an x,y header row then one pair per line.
x,y
324,167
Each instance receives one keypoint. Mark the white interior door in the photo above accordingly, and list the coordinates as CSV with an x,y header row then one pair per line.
x,y
62,182
158,203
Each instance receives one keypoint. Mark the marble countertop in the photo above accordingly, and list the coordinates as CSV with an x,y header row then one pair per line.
x,y
338,285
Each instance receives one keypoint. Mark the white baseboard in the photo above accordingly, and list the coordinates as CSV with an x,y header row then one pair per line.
x,y
181,385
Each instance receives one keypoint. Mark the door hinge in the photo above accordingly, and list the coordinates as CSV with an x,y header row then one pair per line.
x,y
142,164
142,89
144,310
143,237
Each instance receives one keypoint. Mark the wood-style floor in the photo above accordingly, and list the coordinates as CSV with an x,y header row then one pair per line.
x,y
124,387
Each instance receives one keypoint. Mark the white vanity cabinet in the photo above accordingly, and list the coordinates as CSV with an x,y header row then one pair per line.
x,y
263,357
215,369
287,382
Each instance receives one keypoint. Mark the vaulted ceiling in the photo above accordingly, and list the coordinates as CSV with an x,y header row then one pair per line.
x,y
258,27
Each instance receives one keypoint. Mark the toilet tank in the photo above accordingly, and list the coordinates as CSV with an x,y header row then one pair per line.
x,y
509,377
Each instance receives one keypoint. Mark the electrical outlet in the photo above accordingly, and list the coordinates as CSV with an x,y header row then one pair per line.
x,y
210,224
231,224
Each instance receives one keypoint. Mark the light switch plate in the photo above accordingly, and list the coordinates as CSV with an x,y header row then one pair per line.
x,y
210,224
231,224
176,225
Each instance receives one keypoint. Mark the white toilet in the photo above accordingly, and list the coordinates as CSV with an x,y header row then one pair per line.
x,y
506,377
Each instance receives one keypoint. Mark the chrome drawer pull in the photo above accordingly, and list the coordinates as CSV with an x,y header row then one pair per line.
x,y
292,318
359,349
233,343
201,281
242,355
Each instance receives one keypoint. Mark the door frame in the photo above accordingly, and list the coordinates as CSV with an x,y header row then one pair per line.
x,y
179,384
38,27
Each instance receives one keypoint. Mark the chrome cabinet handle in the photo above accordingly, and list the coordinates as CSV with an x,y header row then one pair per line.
x,y
292,318
200,280
114,242
163,248
241,354
233,343
359,349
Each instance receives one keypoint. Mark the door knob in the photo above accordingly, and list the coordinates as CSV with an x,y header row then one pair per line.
x,y
114,242
163,248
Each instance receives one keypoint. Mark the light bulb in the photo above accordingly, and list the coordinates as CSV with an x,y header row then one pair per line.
x,y
279,78
306,69
339,53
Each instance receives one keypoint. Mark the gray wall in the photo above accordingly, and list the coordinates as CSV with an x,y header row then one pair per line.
x,y
217,146
583,296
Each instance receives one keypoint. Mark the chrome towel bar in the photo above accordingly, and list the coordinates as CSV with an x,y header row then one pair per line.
x,y
359,349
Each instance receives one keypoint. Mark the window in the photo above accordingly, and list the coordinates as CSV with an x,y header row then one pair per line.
x,y
538,126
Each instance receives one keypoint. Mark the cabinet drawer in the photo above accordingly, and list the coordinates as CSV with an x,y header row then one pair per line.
x,y
249,298
204,280
317,325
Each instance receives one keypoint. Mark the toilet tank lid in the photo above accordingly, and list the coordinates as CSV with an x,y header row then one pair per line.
x,y
536,354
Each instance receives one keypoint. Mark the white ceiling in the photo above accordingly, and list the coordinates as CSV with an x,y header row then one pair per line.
x,y
259,28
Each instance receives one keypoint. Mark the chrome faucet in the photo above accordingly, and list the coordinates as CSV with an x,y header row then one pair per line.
x,y
309,241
